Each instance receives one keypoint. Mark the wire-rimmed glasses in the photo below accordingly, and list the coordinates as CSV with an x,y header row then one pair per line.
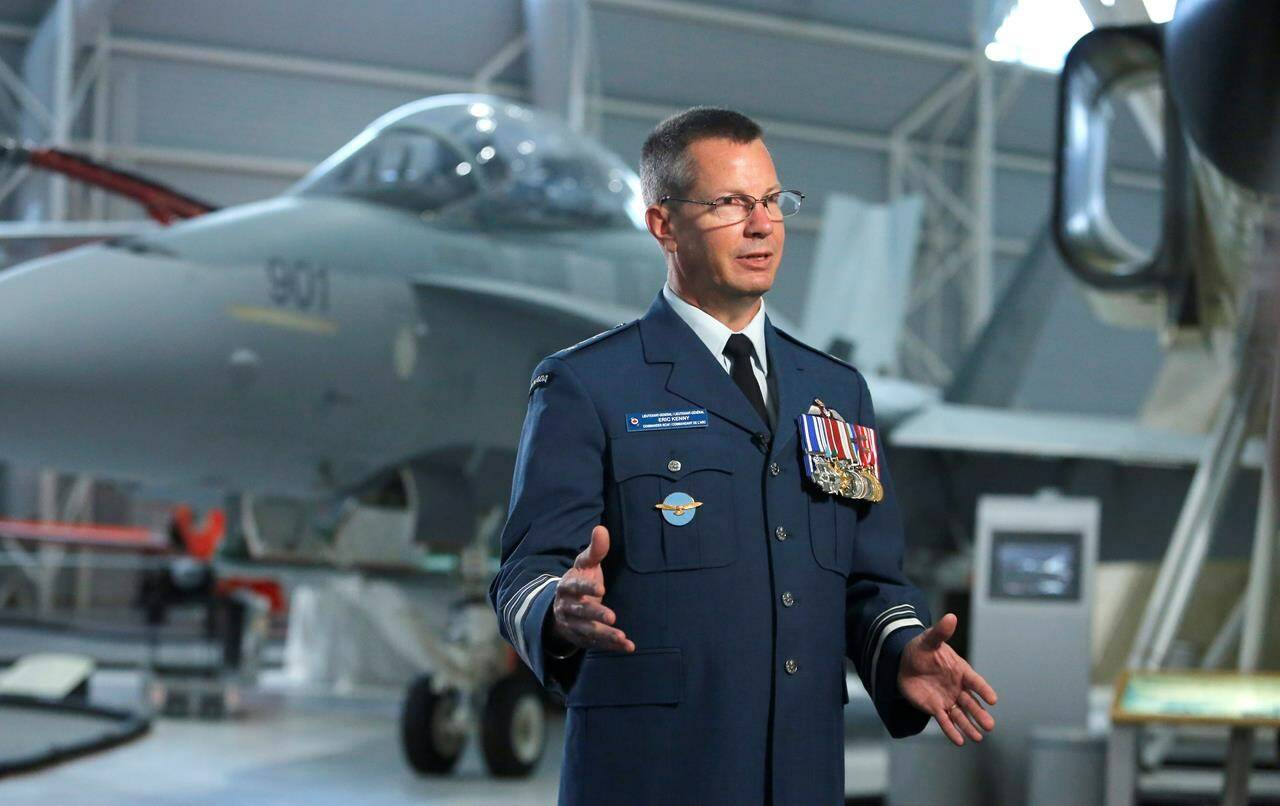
x,y
738,206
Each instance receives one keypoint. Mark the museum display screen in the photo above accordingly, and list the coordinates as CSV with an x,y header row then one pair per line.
x,y
1035,565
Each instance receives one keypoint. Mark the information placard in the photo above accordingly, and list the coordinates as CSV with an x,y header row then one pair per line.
x,y
1198,697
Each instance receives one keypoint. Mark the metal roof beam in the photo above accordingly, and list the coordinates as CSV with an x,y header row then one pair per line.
x,y
239,59
356,73
820,32
931,104
872,141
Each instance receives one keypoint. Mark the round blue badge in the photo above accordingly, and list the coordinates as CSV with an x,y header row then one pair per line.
x,y
674,510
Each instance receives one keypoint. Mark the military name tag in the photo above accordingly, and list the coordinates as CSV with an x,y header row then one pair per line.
x,y
660,420
839,458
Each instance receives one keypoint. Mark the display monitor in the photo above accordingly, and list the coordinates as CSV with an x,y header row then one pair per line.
x,y
1035,565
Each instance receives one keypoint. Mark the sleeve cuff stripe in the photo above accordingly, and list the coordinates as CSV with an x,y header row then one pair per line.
x,y
509,606
891,627
896,611
513,603
518,620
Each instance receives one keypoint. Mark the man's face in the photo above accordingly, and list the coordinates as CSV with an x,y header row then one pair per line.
x,y
718,262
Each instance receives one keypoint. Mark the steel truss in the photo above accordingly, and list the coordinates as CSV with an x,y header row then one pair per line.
x,y
954,264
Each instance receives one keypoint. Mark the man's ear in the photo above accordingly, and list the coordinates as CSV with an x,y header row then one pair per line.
x,y
658,219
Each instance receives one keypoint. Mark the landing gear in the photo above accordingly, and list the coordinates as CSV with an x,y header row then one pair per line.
x,y
428,729
480,685
513,729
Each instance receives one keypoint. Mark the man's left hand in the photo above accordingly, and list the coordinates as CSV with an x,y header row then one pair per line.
x,y
936,680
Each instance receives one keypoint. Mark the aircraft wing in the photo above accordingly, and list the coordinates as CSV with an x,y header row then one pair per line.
x,y
566,310
894,398
21,241
982,429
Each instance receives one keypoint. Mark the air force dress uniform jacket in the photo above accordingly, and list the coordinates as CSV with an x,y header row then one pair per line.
x,y
742,616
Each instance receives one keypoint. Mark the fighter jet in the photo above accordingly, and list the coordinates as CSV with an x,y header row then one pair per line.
x,y
356,348
369,318
347,361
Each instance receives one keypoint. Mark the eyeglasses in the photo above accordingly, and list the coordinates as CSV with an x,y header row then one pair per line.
x,y
738,207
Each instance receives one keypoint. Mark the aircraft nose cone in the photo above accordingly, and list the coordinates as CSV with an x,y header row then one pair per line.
x,y
89,358
68,324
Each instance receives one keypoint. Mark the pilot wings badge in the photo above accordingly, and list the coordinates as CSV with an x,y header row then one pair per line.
x,y
839,458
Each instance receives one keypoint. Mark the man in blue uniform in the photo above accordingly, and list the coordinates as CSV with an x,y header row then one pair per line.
x,y
702,526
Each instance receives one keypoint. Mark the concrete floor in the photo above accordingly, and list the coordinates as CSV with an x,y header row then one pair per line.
x,y
293,747
299,746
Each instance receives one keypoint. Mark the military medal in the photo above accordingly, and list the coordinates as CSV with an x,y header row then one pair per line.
x,y
839,459
853,484
866,445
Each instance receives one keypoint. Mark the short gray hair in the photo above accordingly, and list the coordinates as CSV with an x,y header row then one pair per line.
x,y
665,168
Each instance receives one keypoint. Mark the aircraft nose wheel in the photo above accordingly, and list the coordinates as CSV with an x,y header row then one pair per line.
x,y
513,730
428,733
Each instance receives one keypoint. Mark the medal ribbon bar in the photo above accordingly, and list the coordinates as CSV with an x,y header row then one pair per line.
x,y
834,454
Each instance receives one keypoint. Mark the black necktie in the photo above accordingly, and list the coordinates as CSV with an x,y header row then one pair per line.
x,y
740,350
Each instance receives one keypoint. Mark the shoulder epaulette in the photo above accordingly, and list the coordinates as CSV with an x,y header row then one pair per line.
x,y
587,342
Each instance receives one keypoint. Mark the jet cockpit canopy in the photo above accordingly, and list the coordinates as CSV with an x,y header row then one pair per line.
x,y
482,162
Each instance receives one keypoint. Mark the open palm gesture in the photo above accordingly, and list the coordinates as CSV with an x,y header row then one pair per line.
x,y
938,681
581,617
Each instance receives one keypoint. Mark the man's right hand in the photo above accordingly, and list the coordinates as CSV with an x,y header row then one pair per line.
x,y
580,617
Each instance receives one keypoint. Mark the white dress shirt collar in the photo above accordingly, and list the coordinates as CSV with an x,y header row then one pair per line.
x,y
714,333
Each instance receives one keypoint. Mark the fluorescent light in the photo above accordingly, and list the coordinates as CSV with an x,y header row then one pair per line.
x,y
1038,33
1160,10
